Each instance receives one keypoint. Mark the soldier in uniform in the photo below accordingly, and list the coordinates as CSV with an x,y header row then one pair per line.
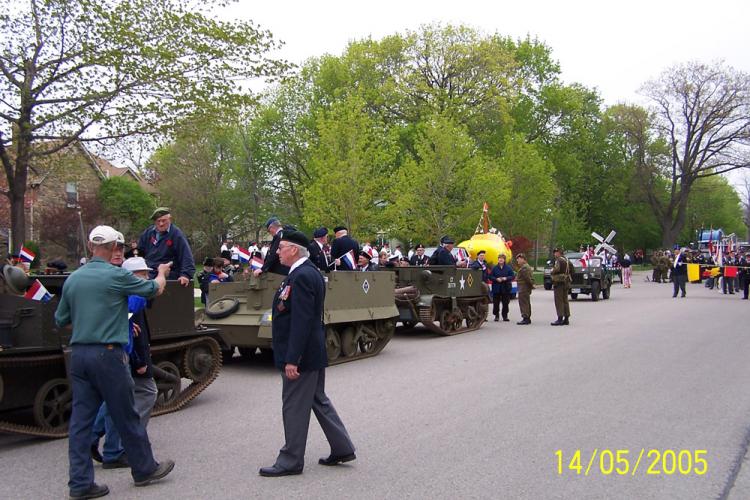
x,y
561,284
655,264
419,258
525,280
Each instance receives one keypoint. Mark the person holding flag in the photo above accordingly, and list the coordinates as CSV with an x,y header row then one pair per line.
x,y
679,272
343,245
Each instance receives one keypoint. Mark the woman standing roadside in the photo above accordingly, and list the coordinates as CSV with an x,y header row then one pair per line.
x,y
627,271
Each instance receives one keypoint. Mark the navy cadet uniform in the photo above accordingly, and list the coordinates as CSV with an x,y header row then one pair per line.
x,y
342,245
299,339
95,301
170,246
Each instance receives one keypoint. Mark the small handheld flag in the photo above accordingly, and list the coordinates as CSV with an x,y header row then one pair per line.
x,y
256,262
349,259
27,254
243,254
461,253
37,292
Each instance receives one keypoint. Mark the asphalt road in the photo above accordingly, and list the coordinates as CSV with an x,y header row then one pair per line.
x,y
478,415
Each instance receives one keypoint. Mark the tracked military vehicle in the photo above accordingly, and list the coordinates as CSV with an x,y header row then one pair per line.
x,y
359,313
35,394
445,299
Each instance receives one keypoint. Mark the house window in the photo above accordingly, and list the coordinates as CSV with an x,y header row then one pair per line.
x,y
71,194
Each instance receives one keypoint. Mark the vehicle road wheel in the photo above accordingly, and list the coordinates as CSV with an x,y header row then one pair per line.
x,y
349,342
167,390
53,404
198,362
333,344
573,296
595,289
605,293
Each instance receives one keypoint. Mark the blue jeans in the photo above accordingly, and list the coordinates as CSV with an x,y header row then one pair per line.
x,y
100,372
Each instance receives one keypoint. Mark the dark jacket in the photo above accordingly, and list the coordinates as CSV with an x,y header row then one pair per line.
x,y
272,264
416,260
141,354
442,257
297,325
318,256
484,267
680,266
341,247
505,272
172,246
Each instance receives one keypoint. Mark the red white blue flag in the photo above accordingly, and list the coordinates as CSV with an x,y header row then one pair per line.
x,y
37,292
27,254
243,254
349,259
461,254
256,262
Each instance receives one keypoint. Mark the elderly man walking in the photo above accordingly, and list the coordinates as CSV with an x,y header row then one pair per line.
x,y
95,301
299,351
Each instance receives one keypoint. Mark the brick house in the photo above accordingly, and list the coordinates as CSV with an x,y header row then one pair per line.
x,y
60,203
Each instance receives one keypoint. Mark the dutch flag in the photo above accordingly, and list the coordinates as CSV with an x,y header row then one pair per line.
x,y
243,254
37,292
256,263
27,254
462,255
349,259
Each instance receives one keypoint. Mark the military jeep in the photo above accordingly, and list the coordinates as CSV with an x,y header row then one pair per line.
x,y
593,279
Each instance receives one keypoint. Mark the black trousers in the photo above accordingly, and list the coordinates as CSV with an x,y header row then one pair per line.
x,y
497,298
678,281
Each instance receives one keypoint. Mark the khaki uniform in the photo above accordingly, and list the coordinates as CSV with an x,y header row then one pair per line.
x,y
655,263
525,280
561,285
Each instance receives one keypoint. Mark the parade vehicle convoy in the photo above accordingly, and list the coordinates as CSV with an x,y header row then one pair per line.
x,y
359,314
35,394
590,277
445,299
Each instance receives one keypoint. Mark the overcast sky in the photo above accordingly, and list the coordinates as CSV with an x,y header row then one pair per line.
x,y
612,46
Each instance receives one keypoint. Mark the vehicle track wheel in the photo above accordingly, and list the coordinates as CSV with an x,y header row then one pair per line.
x,y
368,337
197,362
349,341
168,388
333,344
472,316
53,404
385,328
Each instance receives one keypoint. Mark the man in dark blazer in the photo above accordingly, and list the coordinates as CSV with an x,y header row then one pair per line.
x,y
341,246
317,249
299,351
272,264
419,258
679,272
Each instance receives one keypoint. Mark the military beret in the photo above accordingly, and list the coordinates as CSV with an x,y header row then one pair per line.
x,y
365,255
339,228
320,232
271,221
447,240
226,254
482,252
209,261
160,212
295,237
520,256
419,245
558,249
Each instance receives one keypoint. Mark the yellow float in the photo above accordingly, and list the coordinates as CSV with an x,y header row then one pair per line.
x,y
488,239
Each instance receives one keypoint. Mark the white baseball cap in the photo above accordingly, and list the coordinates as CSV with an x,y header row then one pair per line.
x,y
134,264
105,234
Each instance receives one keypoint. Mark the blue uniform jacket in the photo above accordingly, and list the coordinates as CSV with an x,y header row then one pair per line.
x,y
505,272
297,325
172,246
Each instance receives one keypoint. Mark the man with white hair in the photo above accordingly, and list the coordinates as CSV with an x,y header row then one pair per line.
x,y
271,264
95,301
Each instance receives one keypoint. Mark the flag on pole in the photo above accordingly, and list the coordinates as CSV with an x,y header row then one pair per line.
x,y
349,259
27,254
694,272
730,272
256,262
37,292
243,254
461,253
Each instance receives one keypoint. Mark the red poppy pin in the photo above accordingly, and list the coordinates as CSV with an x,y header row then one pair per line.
x,y
169,243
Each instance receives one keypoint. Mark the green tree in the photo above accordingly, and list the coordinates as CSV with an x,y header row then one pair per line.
x,y
126,204
713,203
95,70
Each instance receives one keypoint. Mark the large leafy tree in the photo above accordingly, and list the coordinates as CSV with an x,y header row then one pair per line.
x,y
93,70
126,204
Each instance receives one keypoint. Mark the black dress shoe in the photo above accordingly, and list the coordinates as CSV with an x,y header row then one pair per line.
x,y
120,463
506,319
497,318
524,322
161,471
275,471
94,491
559,322
565,321
335,460
95,455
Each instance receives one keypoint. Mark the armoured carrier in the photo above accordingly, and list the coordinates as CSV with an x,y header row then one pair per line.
x,y
359,313
445,299
33,373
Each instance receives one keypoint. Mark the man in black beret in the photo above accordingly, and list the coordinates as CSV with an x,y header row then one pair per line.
x,y
299,351
317,249
419,258
342,245
272,263
164,242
